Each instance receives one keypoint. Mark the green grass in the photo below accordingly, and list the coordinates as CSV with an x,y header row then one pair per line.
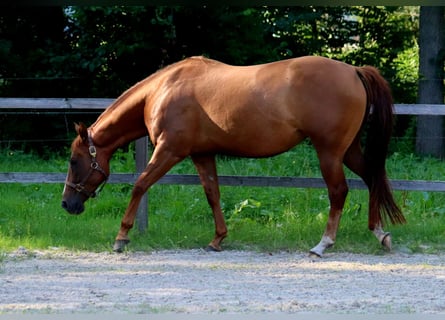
x,y
264,219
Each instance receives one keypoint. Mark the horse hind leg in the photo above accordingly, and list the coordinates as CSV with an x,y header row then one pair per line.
x,y
206,167
355,161
333,174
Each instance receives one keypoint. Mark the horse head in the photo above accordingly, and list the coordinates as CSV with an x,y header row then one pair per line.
x,y
87,174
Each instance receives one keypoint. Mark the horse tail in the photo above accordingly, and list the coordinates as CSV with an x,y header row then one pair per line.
x,y
380,114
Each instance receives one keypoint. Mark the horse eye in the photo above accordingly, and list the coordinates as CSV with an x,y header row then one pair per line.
x,y
73,162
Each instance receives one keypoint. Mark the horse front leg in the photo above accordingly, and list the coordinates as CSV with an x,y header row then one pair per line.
x,y
160,163
128,220
334,177
206,167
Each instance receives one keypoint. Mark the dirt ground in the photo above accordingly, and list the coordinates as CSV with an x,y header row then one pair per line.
x,y
196,282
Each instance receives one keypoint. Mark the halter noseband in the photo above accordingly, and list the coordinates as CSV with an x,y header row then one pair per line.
x,y
80,187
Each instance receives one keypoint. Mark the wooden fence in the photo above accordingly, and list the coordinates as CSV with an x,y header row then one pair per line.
x,y
88,105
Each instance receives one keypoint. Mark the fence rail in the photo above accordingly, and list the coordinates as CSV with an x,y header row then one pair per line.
x,y
42,105
94,104
251,181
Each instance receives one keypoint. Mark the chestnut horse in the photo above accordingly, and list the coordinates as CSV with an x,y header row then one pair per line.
x,y
200,107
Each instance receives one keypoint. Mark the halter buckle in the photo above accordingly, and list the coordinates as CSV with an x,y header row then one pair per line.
x,y
92,150
79,188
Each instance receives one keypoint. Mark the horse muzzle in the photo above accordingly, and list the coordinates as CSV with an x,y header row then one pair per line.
x,y
73,207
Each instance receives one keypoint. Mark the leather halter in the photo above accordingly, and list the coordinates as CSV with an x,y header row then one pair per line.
x,y
80,187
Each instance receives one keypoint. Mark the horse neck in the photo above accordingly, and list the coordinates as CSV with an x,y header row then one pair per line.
x,y
121,123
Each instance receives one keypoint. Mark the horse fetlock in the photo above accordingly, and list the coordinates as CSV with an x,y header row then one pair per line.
x,y
125,227
387,242
215,245
220,236
383,237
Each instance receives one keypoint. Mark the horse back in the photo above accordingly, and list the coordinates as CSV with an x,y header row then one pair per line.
x,y
257,110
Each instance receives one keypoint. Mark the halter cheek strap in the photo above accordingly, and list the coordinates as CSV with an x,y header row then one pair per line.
x,y
94,166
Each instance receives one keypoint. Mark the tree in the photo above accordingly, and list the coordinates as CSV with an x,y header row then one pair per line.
x,y
114,47
101,51
431,68
27,45
310,30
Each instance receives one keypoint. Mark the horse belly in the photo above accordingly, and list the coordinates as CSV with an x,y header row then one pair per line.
x,y
256,141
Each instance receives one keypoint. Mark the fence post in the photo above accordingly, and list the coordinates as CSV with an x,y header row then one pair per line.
x,y
141,148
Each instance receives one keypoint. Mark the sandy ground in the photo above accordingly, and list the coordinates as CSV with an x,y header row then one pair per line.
x,y
196,282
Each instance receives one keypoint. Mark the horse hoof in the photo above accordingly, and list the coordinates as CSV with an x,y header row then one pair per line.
x,y
211,248
314,255
386,241
119,245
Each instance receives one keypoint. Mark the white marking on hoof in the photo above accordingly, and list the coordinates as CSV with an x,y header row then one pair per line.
x,y
383,237
325,243
386,242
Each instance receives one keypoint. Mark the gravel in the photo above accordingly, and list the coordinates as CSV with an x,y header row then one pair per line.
x,y
196,282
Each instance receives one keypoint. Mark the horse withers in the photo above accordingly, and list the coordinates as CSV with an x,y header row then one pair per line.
x,y
200,107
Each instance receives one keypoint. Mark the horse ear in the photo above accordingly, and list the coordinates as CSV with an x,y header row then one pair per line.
x,y
82,131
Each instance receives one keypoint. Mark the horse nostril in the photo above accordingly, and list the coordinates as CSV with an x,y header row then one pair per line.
x,y
64,205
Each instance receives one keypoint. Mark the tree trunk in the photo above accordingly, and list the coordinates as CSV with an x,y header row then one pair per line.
x,y
431,46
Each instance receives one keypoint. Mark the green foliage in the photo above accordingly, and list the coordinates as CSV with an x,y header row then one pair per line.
x,y
104,50
310,30
383,32
406,66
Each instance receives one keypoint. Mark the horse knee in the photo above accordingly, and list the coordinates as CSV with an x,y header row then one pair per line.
x,y
337,195
138,191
